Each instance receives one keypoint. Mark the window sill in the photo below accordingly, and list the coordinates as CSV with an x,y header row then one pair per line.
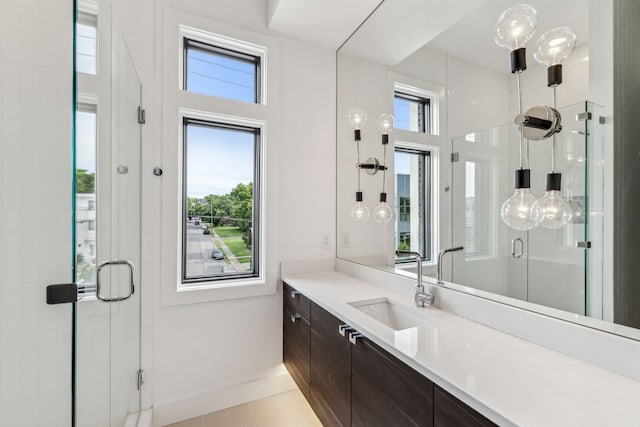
x,y
215,291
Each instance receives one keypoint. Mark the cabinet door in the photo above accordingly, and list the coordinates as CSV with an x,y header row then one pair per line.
x,y
330,370
295,349
451,412
387,392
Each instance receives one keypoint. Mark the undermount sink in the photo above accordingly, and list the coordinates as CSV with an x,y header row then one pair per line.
x,y
395,316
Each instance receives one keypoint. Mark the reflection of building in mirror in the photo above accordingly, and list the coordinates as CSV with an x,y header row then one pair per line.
x,y
412,201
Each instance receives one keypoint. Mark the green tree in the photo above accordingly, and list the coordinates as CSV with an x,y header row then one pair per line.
x,y
220,206
242,205
85,182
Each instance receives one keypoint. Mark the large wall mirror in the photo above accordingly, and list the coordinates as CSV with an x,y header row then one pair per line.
x,y
453,148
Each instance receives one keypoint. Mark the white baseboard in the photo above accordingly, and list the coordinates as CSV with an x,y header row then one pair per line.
x,y
234,395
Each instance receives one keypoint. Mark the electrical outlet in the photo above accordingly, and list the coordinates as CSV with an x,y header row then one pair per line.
x,y
326,241
345,240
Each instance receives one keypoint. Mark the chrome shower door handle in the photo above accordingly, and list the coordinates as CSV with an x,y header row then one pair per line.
x,y
131,284
515,252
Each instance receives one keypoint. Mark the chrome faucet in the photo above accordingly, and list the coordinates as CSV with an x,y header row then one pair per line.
x,y
421,297
440,255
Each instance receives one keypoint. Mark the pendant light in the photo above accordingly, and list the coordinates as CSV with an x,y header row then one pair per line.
x,y
383,212
358,117
514,28
552,211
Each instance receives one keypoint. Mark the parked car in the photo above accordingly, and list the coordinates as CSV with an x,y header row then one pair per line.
x,y
217,254
206,231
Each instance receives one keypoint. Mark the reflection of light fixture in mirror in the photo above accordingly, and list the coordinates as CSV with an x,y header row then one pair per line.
x,y
359,212
358,117
516,210
514,28
553,47
383,213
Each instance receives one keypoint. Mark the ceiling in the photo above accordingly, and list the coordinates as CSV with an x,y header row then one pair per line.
x,y
398,28
325,23
472,37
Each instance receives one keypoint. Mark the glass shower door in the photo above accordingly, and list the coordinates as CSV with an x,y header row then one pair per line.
x,y
559,268
107,232
494,258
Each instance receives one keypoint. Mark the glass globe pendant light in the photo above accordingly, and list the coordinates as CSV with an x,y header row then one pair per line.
x,y
383,212
552,211
514,28
553,47
359,212
358,117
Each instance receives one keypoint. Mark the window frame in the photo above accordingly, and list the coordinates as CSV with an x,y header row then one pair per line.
x,y
244,56
426,202
176,102
256,211
432,117
424,110
230,46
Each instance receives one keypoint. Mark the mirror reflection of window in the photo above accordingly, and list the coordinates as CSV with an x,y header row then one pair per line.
x,y
86,166
478,220
412,202
87,43
411,112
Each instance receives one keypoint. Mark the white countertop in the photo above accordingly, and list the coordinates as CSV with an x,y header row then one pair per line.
x,y
507,379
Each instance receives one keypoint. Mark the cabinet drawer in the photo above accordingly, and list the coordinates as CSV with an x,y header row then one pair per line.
x,y
294,302
451,412
387,392
330,371
295,351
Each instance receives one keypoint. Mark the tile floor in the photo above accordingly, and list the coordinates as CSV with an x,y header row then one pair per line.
x,y
289,409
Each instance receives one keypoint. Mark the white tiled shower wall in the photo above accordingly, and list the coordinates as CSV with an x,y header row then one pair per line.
x,y
35,207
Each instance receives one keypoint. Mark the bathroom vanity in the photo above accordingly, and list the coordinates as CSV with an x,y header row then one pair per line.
x,y
363,355
350,380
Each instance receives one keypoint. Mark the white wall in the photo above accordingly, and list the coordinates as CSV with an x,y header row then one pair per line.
x,y
472,98
202,357
35,211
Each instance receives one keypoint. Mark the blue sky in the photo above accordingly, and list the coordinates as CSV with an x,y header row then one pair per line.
x,y
402,163
218,160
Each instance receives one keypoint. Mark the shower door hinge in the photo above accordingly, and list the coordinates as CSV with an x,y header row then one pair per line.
x,y
583,245
455,157
140,378
583,116
141,116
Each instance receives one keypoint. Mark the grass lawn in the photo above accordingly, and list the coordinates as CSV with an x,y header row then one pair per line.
x,y
238,248
228,231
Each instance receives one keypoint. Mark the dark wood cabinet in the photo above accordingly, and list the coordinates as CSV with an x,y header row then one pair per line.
x,y
330,369
296,335
387,392
451,412
361,384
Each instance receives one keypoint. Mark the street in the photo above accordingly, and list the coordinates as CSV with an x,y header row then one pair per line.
x,y
199,247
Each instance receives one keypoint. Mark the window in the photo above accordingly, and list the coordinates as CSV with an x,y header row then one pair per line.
x,y
219,126
478,208
412,112
87,43
86,166
220,199
413,201
219,71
